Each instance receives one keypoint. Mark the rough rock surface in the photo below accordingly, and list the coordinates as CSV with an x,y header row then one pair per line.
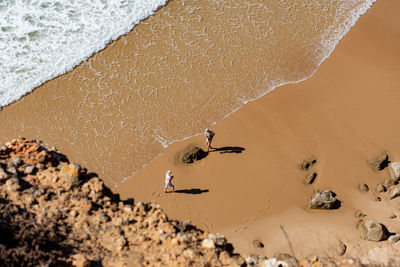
x,y
193,154
395,193
394,170
364,187
324,200
56,213
372,231
380,162
53,212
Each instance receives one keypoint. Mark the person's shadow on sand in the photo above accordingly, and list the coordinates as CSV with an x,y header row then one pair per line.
x,y
229,149
193,191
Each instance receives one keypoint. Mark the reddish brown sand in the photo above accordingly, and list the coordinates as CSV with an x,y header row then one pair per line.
x,y
345,115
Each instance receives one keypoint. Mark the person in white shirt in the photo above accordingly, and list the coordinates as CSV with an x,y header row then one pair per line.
x,y
168,179
209,136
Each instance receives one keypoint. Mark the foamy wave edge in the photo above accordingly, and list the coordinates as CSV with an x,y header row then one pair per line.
x,y
75,62
348,24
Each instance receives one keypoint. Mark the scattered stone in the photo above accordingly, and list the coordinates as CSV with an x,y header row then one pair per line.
x,y
372,231
208,243
377,198
305,165
71,172
29,169
388,182
395,193
380,188
193,154
341,248
3,174
12,184
393,216
258,243
394,171
380,163
324,200
310,179
288,259
364,187
360,215
394,238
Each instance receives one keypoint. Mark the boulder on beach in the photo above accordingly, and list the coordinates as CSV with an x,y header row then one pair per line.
x,y
193,154
380,162
394,170
372,231
395,193
324,200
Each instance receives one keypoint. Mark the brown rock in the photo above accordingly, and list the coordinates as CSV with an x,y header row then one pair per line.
x,y
380,188
193,154
341,248
71,174
324,200
258,243
80,260
310,179
395,193
380,162
306,164
372,231
364,187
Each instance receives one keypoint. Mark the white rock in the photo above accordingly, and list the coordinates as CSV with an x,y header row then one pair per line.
x,y
394,238
272,262
394,170
395,193
207,243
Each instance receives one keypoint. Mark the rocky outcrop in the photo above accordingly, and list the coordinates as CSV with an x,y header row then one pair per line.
x,y
324,200
307,164
193,154
372,231
394,170
54,212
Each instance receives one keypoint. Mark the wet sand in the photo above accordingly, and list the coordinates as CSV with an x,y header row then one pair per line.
x,y
344,116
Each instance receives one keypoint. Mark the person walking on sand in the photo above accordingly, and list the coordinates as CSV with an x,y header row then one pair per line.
x,y
209,136
168,179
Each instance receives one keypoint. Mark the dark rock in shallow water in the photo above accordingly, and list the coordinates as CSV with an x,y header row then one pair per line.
x,y
380,163
193,154
324,200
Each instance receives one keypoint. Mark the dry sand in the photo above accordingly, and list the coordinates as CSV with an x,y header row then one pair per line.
x,y
344,116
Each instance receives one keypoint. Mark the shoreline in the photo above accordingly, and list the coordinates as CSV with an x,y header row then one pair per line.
x,y
334,116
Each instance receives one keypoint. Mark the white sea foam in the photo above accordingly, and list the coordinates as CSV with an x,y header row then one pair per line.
x,y
41,39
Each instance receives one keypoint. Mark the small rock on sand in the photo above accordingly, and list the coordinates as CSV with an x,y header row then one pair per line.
x,y
306,164
372,231
341,248
258,243
380,188
395,193
324,200
310,179
394,170
364,187
380,162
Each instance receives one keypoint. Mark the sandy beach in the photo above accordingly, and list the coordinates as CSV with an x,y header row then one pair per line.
x,y
111,108
343,116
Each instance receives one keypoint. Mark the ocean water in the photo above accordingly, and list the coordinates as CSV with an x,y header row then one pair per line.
x,y
40,39
186,67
